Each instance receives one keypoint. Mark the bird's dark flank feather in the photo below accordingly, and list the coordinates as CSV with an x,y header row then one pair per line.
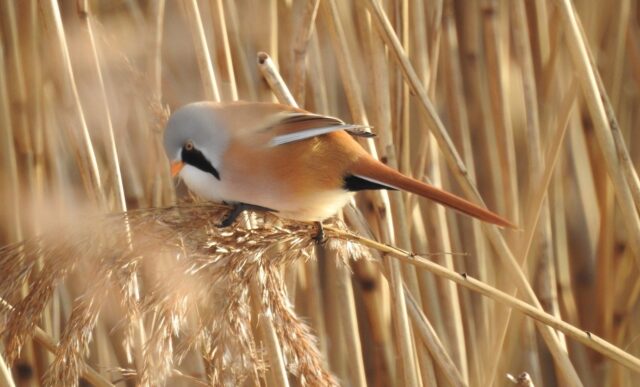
x,y
355,183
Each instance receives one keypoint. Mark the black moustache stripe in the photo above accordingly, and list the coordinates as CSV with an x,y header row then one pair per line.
x,y
195,158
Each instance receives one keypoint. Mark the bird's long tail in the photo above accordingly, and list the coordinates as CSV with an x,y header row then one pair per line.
x,y
369,169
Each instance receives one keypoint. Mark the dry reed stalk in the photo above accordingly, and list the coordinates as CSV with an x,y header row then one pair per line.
x,y
220,20
375,295
621,150
85,15
604,299
303,35
459,170
205,64
91,171
134,338
5,374
432,342
437,228
589,85
383,111
347,310
534,210
7,144
501,117
335,322
382,119
452,72
314,307
587,338
544,261
277,373
616,60
245,63
633,51
403,93
539,22
156,61
318,82
16,60
431,301
356,105
435,34
10,157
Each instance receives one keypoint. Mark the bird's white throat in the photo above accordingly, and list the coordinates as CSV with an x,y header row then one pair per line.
x,y
203,184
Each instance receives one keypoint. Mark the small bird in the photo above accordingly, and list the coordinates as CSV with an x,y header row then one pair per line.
x,y
274,157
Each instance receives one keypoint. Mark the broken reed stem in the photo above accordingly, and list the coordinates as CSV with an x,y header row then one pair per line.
x,y
47,342
587,338
205,65
274,79
461,174
602,128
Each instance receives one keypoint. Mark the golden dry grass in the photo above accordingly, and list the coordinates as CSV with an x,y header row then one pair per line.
x,y
527,106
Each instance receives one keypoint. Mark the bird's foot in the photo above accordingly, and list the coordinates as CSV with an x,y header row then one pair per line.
x,y
320,237
239,208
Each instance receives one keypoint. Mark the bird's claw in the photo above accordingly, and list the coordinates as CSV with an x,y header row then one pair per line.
x,y
320,237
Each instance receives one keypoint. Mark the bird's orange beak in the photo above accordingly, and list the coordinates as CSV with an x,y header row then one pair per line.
x,y
176,167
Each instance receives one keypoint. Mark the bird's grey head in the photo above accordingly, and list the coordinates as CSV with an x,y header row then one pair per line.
x,y
194,135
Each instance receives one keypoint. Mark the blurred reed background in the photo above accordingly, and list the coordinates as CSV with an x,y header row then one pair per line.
x,y
533,102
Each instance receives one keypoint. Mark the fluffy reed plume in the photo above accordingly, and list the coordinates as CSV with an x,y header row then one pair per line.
x,y
197,278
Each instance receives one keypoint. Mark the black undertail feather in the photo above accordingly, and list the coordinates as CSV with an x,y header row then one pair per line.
x,y
195,158
355,183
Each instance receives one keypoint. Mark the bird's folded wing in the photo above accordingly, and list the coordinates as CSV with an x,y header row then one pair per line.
x,y
295,126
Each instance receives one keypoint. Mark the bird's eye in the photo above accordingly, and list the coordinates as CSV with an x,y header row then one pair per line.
x,y
188,146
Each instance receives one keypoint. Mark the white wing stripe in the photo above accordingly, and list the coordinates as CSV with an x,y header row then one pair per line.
x,y
305,134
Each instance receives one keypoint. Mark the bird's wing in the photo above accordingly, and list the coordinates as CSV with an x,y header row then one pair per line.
x,y
296,126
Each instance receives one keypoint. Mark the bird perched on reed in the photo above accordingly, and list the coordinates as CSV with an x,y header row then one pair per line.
x,y
274,157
